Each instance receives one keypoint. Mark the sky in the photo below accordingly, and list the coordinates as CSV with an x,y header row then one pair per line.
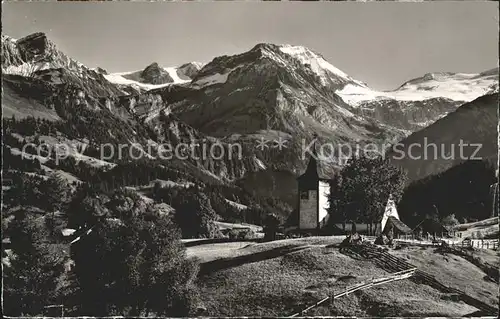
x,y
381,44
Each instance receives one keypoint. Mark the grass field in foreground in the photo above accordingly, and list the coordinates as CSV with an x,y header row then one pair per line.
x,y
455,271
262,283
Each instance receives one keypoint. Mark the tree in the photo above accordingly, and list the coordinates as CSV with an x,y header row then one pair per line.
x,y
363,188
463,190
449,220
55,194
30,282
338,213
194,214
133,263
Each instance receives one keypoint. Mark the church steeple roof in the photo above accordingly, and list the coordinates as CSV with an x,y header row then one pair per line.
x,y
315,168
312,166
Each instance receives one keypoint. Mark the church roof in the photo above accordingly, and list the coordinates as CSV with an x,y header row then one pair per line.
x,y
399,225
317,168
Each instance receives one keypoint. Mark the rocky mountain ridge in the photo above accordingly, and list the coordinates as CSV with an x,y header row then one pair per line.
x,y
268,93
438,146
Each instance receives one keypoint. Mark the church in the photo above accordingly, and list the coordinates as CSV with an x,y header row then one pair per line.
x,y
313,204
313,191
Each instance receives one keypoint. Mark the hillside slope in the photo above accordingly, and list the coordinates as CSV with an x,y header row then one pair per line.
x,y
241,278
474,123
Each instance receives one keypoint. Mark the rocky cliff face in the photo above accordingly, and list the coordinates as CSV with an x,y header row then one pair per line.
x,y
409,116
152,74
35,56
34,53
268,88
271,93
189,70
10,52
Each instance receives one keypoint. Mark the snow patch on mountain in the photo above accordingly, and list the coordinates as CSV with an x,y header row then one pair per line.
x,y
316,62
454,86
173,74
26,69
216,78
179,75
117,78
198,65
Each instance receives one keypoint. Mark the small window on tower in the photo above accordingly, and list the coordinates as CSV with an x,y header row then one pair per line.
x,y
304,195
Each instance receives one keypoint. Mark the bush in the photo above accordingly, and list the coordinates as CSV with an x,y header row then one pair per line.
x,y
271,224
233,234
30,283
133,263
246,234
450,220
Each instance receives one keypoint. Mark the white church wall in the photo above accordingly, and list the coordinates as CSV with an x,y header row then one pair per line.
x,y
390,210
308,209
324,193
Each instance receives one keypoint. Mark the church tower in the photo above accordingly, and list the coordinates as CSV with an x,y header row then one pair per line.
x,y
313,196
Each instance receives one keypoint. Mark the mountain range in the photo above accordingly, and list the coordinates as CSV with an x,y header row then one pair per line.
x,y
270,92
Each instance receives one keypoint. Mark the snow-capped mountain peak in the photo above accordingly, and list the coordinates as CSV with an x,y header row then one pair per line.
x,y
298,62
463,87
155,76
315,61
307,58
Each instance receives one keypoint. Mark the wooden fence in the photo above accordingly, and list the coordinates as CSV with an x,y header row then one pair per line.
x,y
390,262
477,243
363,285
474,243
